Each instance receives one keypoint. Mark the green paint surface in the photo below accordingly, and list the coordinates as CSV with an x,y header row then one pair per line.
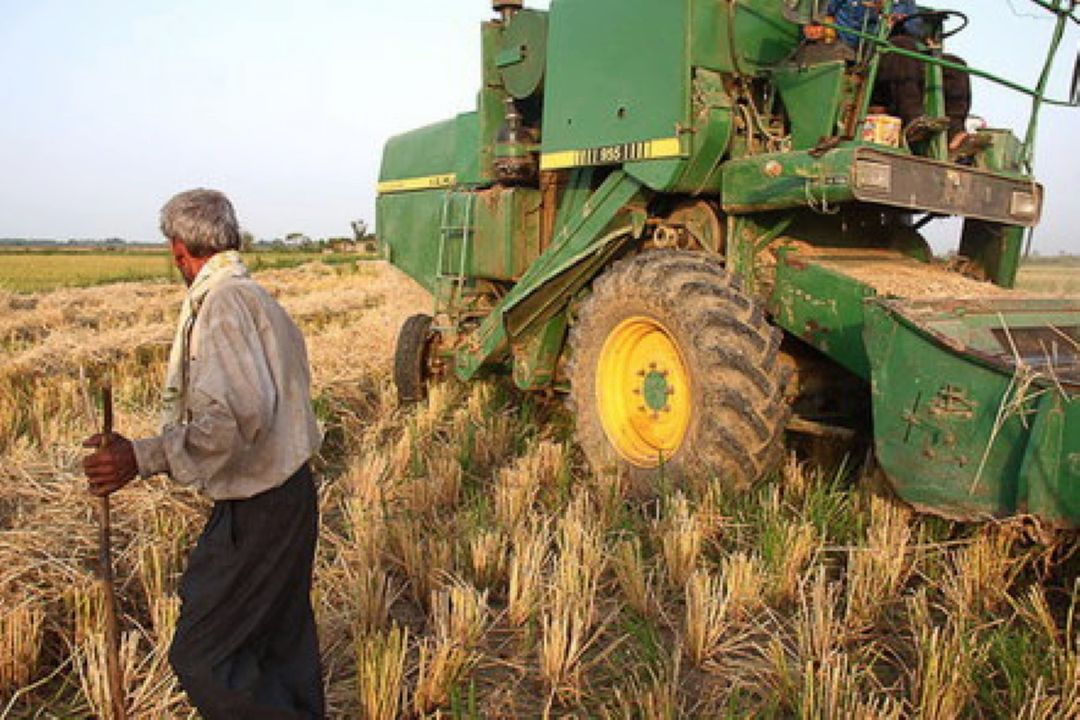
x,y
446,147
956,428
824,308
639,48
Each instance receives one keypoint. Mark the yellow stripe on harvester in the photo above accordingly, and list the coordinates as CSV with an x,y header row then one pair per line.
x,y
428,182
661,149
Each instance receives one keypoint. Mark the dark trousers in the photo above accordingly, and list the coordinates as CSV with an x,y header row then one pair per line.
x,y
245,645
901,87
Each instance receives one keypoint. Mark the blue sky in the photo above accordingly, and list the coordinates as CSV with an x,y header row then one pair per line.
x,y
111,106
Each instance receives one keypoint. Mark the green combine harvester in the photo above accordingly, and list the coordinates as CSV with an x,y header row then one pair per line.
x,y
675,213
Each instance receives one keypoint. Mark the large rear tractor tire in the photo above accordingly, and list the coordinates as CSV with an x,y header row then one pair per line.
x,y
413,359
673,367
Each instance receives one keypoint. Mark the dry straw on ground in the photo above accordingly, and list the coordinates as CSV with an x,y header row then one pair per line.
x,y
470,566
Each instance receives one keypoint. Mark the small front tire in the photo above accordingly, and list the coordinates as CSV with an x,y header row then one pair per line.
x,y
412,359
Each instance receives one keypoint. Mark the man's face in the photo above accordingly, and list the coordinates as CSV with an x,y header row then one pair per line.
x,y
185,263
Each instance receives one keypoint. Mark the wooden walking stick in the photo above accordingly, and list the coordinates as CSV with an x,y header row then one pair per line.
x,y
105,566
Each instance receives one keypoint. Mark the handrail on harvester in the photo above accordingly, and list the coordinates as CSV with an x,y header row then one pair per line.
x,y
1064,9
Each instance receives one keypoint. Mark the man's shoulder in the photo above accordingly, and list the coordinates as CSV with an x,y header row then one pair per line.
x,y
245,292
239,287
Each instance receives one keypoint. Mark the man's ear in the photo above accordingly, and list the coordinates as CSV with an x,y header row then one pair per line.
x,y
180,250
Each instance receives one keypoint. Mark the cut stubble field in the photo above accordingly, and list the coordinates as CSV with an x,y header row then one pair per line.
x,y
471,565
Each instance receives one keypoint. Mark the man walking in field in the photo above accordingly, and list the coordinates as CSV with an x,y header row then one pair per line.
x,y
237,425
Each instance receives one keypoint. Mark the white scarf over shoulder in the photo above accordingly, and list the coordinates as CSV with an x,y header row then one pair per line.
x,y
220,267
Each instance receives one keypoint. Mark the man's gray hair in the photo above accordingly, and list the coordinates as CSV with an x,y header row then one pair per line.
x,y
204,220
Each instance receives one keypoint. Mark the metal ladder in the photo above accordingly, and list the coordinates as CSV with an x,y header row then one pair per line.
x,y
449,284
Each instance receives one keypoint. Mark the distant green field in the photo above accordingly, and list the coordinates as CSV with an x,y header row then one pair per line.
x,y
30,271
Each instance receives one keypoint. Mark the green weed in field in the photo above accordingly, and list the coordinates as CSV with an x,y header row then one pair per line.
x,y
26,272
36,272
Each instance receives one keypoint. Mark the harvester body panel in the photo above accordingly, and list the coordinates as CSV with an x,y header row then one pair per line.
x,y
635,112
418,168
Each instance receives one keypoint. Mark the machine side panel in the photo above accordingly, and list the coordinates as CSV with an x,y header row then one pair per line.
x,y
618,74
814,95
425,152
824,308
933,413
467,149
408,229
419,168
763,35
448,148
507,233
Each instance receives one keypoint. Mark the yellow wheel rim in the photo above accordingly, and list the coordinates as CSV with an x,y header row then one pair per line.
x,y
643,392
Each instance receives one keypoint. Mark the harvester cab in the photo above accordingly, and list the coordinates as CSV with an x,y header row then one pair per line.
x,y
704,225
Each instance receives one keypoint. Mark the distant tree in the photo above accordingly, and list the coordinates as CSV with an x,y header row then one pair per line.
x,y
247,241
